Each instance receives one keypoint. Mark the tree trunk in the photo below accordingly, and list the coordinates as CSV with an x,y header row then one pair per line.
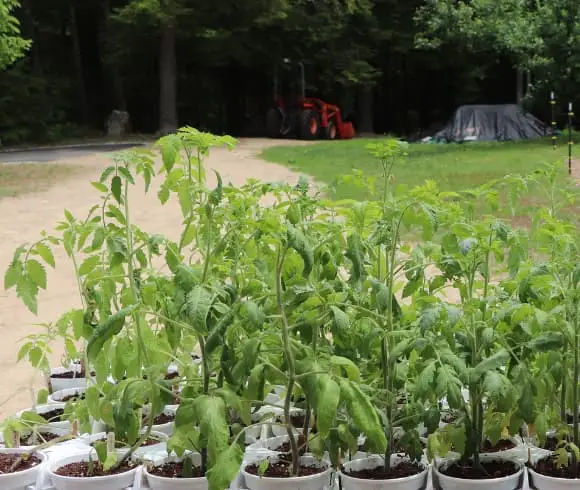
x,y
29,31
519,87
78,60
168,80
365,111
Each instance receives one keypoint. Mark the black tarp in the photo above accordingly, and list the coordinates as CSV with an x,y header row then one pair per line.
x,y
491,123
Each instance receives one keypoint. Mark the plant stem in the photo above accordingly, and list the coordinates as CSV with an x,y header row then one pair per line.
x,y
575,378
290,361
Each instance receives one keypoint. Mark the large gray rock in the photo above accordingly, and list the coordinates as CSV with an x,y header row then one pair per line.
x,y
118,124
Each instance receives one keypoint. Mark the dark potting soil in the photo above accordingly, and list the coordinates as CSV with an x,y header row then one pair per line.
x,y
75,397
570,418
7,460
122,444
160,419
68,375
487,470
283,469
53,416
172,375
548,467
81,469
449,417
36,439
552,443
501,445
174,470
402,470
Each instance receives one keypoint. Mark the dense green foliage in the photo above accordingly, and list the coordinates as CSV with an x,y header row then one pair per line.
x,y
12,46
210,65
464,335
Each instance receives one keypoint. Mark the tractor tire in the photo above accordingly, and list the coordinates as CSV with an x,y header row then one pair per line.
x,y
274,123
309,125
331,131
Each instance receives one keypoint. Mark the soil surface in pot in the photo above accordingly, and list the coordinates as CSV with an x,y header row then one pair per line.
x,y
487,470
7,460
121,444
68,375
174,470
404,469
72,398
552,443
287,449
81,469
36,439
160,419
283,469
172,375
548,467
501,445
53,415
449,417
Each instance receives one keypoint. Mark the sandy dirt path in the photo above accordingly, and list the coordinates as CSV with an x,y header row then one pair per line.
x,y
22,218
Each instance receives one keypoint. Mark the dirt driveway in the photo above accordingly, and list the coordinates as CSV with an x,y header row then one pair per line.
x,y
22,218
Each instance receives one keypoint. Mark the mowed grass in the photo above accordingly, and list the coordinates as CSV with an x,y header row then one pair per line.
x,y
17,179
454,167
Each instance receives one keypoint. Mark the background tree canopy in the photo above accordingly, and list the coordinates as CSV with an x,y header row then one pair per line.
x,y
398,66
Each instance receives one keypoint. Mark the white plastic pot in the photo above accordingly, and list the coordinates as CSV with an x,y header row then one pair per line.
x,y
52,430
312,482
21,479
415,482
511,482
279,429
112,482
41,409
167,428
58,396
162,483
143,450
57,384
543,482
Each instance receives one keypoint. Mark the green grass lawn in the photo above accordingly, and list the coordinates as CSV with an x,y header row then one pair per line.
x,y
453,167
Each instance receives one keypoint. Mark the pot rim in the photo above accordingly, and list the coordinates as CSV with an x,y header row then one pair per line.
x,y
517,474
272,479
393,480
43,459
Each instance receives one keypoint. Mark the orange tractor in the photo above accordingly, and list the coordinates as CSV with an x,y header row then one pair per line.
x,y
304,117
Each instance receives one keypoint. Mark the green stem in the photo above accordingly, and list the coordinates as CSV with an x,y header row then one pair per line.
x,y
291,365
207,249
575,378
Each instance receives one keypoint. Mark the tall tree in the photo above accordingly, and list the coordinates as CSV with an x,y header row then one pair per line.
x,y
12,46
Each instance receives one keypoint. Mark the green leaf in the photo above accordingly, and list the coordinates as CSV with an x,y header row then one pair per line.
x,y
107,330
106,173
169,151
100,186
255,315
124,171
497,385
89,265
450,386
546,342
12,275
363,415
425,380
210,415
46,253
341,321
298,242
226,468
116,188
489,364
350,368
541,423
354,253
27,291
328,399
36,272
199,301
